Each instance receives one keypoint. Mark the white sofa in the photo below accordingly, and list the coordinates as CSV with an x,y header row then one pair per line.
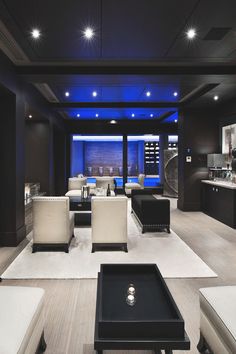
x,y
53,223
102,182
109,223
75,185
218,320
130,185
21,320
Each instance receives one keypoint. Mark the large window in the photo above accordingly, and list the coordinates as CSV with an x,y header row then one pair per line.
x,y
95,156
143,157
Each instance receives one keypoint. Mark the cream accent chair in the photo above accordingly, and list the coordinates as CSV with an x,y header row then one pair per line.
x,y
22,320
53,223
217,320
76,183
109,223
102,182
140,185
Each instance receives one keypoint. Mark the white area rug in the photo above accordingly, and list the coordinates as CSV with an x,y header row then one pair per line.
x,y
173,257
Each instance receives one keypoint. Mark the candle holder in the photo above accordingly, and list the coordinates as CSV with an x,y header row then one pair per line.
x,y
131,289
130,298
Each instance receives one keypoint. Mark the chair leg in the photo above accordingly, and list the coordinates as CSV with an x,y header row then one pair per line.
x,y
125,248
202,347
42,344
168,230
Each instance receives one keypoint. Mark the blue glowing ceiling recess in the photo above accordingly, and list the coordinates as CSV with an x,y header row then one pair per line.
x,y
117,94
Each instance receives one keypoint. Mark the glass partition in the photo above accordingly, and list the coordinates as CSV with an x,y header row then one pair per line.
x,y
94,156
143,158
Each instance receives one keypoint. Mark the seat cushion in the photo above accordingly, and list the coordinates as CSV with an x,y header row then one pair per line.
x,y
73,193
20,309
134,185
219,306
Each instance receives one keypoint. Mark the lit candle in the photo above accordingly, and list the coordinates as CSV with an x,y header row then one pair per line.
x,y
131,290
131,298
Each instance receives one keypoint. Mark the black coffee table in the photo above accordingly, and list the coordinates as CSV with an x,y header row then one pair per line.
x,y
153,322
82,207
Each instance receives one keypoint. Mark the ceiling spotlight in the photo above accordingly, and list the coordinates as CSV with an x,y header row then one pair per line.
x,y
30,116
96,115
148,93
67,94
132,115
176,120
88,33
78,115
175,94
113,121
191,33
151,115
95,93
216,98
35,33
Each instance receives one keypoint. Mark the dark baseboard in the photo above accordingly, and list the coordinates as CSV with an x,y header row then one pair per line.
x,y
109,247
12,239
189,206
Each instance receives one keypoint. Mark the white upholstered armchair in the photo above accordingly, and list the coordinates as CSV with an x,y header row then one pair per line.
x,y
53,223
140,185
109,223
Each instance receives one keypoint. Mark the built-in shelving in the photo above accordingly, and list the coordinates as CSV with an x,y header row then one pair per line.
x,y
151,158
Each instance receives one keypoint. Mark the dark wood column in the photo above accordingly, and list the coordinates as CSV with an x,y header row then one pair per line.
x,y
163,144
59,147
125,159
68,157
12,210
198,136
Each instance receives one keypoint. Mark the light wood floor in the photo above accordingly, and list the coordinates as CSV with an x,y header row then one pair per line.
x,y
70,304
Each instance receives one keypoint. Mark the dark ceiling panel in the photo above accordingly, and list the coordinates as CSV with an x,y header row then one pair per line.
x,y
61,23
208,14
141,29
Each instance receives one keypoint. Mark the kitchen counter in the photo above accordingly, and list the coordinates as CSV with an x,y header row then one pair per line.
x,y
224,184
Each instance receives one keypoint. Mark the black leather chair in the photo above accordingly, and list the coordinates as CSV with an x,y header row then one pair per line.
x,y
151,213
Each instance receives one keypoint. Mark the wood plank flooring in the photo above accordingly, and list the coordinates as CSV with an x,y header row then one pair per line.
x,y
70,304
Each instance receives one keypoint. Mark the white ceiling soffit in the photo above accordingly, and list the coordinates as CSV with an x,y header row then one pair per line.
x,y
46,91
10,47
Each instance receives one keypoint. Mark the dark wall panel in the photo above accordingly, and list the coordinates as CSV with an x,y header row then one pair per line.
x,y
38,155
59,149
199,132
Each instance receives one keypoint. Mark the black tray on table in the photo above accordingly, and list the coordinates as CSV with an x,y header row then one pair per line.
x,y
154,319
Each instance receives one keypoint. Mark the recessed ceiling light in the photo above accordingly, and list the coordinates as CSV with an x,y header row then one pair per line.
x,y
151,115
67,94
88,33
96,115
35,33
78,115
216,98
30,116
191,33
113,121
175,94
95,93
148,93
132,115
176,120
